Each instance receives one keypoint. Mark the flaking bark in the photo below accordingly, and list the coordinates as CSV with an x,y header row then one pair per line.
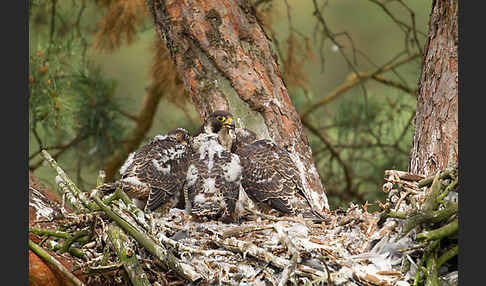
x,y
435,142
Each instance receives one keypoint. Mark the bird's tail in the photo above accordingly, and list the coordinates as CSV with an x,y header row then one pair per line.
x,y
313,215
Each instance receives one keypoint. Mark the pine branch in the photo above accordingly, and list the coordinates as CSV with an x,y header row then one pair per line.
x,y
352,82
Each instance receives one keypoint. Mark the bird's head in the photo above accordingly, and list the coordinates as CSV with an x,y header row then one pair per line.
x,y
180,135
220,122
217,121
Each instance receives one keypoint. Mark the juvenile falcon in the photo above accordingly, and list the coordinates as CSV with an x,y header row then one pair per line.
x,y
213,180
219,122
155,173
270,177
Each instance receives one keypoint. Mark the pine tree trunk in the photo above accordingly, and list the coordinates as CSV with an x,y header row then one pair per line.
x,y
226,62
435,142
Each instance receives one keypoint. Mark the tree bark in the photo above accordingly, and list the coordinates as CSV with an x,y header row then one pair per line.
x,y
226,62
435,142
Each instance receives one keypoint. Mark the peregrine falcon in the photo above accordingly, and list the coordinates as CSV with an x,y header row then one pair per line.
x,y
213,178
270,177
219,122
154,174
176,169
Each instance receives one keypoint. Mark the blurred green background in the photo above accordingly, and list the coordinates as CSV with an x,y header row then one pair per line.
x,y
373,31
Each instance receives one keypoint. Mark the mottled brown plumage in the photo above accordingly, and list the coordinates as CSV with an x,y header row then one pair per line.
x,y
270,177
158,172
155,173
213,180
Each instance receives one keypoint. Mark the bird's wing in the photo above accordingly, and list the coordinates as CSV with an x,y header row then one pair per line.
x,y
269,175
164,169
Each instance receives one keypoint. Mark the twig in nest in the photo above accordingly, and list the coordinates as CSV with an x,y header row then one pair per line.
x,y
102,269
183,269
78,194
274,218
47,257
245,247
243,229
289,269
441,232
137,214
124,250
180,246
427,181
73,238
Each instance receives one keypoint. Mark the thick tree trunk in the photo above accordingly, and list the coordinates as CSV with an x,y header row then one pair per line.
x,y
226,62
435,142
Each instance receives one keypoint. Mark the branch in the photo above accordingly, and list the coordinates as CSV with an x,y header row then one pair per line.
x,y
128,115
391,83
346,169
431,264
353,81
447,255
78,194
47,257
124,249
62,148
295,255
261,254
184,270
441,232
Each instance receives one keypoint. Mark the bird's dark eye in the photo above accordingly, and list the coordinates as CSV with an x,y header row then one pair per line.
x,y
221,118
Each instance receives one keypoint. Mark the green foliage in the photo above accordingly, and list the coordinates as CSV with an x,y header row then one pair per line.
x,y
371,136
51,101
98,114
73,109
70,98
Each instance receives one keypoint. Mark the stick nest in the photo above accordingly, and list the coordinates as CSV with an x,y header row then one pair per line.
x,y
111,242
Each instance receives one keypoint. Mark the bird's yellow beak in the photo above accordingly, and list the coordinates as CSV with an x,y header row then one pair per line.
x,y
228,123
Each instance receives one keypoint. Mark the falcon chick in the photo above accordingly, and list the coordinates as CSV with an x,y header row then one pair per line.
x,y
270,177
219,122
154,174
213,180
